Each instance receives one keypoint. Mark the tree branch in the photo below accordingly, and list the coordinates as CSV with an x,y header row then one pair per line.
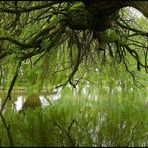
x,y
25,45
23,10
8,130
133,29
11,86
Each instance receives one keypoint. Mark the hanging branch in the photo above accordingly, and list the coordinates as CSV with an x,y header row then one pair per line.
x,y
7,127
75,69
133,76
67,133
77,63
139,32
23,10
11,86
146,64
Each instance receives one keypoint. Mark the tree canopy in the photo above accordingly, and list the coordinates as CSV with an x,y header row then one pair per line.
x,y
40,39
47,45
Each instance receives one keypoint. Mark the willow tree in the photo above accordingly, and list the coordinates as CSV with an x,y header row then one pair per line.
x,y
39,39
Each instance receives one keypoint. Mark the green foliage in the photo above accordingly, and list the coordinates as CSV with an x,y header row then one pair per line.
x,y
81,120
54,48
32,102
59,44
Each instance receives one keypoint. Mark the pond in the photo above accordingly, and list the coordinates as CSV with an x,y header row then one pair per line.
x,y
46,98
19,98
92,119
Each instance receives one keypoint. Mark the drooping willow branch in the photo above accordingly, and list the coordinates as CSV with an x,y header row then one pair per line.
x,y
23,10
132,52
127,69
135,55
138,32
11,86
71,140
146,59
7,127
21,44
77,61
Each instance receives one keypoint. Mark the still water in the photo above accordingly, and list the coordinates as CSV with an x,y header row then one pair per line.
x,y
19,99
46,99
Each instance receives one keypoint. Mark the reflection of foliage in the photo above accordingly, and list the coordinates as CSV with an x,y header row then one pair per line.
x,y
82,120
32,102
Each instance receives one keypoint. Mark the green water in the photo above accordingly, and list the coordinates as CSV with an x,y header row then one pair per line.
x,y
82,119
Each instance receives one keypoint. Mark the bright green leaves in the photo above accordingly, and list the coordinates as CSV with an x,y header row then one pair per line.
x,y
32,76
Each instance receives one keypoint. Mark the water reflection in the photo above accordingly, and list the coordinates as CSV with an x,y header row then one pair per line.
x,y
19,103
44,101
19,98
49,99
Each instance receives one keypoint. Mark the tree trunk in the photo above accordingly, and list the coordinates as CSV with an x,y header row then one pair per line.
x,y
99,15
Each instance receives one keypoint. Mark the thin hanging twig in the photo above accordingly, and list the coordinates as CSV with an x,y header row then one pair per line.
x,y
7,127
11,86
